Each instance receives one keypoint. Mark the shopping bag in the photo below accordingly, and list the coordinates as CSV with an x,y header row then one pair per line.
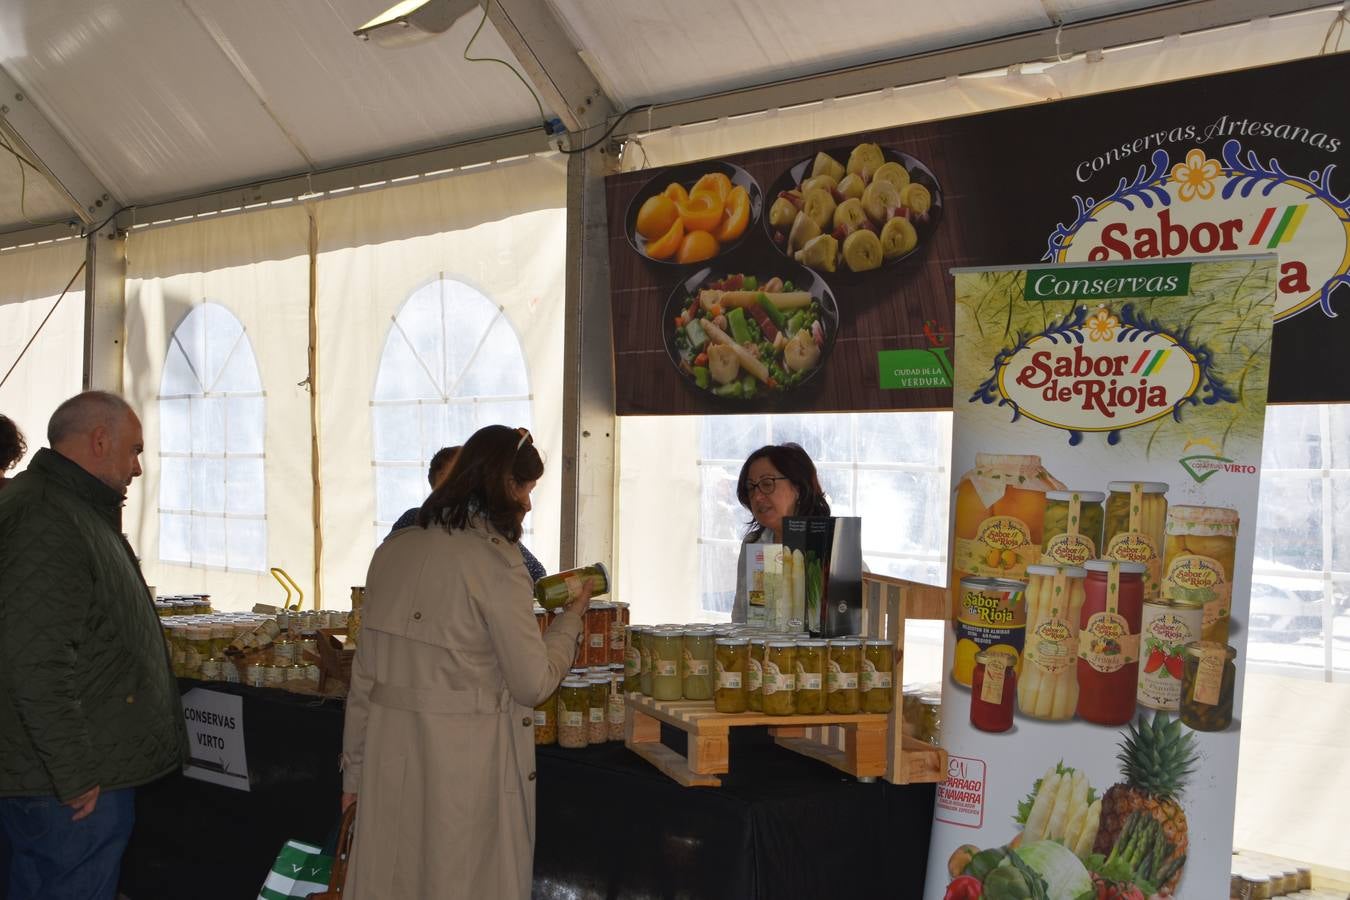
x,y
299,870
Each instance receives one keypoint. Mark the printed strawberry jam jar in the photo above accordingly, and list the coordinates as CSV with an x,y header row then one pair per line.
x,y
992,689
1108,641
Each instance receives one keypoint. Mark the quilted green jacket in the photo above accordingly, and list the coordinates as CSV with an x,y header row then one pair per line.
x,y
87,696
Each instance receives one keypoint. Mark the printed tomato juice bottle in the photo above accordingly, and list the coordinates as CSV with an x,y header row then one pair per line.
x,y
1108,641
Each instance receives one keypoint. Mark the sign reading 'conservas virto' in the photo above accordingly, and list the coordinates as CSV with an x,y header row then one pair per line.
x,y
1100,575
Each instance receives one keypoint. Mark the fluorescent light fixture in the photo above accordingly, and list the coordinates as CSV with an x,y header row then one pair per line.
x,y
412,21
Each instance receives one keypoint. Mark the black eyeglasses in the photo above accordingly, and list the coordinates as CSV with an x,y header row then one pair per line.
x,y
524,436
766,485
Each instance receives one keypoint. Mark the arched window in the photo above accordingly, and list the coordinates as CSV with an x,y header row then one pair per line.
x,y
452,363
211,427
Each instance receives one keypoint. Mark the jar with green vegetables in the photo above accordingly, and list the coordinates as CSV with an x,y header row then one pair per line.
x,y
1207,684
754,674
810,669
632,662
643,637
878,662
546,722
667,653
732,657
1073,527
780,678
696,665
198,649
574,703
845,660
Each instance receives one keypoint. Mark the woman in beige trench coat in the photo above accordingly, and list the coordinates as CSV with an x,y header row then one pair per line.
x,y
439,737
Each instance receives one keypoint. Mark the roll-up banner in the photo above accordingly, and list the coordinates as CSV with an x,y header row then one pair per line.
x,y
813,277
1106,440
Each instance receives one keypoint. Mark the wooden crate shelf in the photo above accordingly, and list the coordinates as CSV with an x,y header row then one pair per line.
x,y
863,753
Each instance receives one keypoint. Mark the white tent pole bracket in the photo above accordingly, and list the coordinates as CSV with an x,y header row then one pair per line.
x,y
37,139
541,45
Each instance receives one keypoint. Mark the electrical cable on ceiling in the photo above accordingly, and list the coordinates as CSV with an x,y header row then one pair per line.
x,y
23,181
1337,28
543,119
608,131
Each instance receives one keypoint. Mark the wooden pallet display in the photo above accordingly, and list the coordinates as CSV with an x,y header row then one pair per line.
x,y
863,752
887,603
865,746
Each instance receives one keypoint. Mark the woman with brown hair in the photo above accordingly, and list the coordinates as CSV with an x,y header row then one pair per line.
x,y
439,738
776,481
12,447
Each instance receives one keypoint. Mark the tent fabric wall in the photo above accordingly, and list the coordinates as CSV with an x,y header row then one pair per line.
x,y
501,230
374,248
257,266
31,280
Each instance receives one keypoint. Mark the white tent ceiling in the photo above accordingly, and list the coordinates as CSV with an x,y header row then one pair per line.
x,y
160,99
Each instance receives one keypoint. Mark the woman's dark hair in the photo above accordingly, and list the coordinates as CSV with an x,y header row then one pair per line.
x,y
12,445
792,461
479,483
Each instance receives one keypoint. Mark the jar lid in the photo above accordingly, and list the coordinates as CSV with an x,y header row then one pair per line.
x,y
930,699
667,632
988,656
1052,571
598,679
878,642
994,584
730,641
602,604
616,667
598,670
1200,649
1125,568
813,643
845,642
1202,521
699,631
575,683
780,643
1146,487
1085,496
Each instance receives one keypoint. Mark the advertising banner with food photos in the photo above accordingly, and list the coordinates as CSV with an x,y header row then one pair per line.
x,y
1107,434
813,277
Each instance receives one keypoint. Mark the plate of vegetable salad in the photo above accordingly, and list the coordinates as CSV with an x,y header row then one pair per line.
x,y
743,336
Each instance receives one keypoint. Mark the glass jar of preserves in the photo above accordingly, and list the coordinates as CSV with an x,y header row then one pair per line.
x,y
285,650
574,704
992,691
618,633
732,658
198,649
642,637
597,713
845,661
632,660
1198,556
1047,685
667,651
599,618
754,674
1108,641
546,721
617,711
1136,520
1207,686
696,665
178,644
212,670
274,676
779,678
930,718
221,635
253,675
1073,527
810,667
561,588
876,679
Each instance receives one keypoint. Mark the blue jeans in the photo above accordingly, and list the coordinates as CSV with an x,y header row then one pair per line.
x,y
54,858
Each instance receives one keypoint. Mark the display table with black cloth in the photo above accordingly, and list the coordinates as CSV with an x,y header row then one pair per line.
x,y
609,826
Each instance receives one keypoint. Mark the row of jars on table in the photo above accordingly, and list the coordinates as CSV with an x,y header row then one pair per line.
x,y
204,646
742,669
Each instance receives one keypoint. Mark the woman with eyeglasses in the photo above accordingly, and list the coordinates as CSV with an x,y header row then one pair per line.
x,y
776,481
438,746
